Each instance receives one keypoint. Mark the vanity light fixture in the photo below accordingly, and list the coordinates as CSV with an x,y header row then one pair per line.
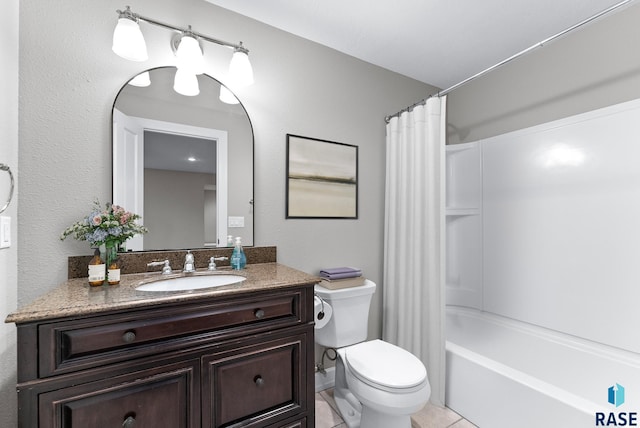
x,y
128,42
240,70
188,52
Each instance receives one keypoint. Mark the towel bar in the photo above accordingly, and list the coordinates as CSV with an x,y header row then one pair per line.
x,y
4,167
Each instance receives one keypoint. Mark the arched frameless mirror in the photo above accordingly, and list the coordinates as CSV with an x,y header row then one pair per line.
x,y
184,163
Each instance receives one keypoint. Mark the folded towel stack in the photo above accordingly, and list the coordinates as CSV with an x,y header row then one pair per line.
x,y
341,277
340,273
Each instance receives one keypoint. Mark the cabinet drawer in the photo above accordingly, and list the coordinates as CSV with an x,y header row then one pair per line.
x,y
259,383
302,423
73,345
144,399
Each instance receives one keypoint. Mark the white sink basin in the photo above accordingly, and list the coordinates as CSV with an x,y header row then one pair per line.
x,y
183,283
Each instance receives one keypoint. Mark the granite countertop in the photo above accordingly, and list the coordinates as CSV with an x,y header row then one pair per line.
x,y
75,297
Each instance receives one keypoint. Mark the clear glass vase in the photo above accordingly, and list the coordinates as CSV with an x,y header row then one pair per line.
x,y
110,256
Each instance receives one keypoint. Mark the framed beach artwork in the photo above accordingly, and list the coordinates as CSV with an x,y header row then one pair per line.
x,y
322,179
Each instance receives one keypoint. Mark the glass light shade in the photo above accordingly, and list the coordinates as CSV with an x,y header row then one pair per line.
x,y
240,70
186,83
190,56
128,41
142,80
226,96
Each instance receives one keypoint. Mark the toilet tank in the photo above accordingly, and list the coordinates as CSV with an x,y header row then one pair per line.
x,y
350,318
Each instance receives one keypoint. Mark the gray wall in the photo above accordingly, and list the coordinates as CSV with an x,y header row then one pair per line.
x,y
69,78
8,256
593,67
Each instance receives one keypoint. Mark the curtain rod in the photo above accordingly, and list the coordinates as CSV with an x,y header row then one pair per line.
x,y
511,58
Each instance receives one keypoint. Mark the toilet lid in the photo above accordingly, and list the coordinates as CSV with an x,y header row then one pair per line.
x,y
385,364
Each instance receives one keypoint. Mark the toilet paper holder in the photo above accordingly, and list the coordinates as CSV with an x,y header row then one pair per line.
x,y
321,313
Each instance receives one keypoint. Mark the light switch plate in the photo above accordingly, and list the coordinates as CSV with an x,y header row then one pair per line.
x,y
5,232
236,221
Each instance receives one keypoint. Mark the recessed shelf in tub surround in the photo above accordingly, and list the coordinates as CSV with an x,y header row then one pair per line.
x,y
459,212
464,180
464,218
137,262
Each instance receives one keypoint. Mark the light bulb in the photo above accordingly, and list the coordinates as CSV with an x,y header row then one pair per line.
x,y
128,41
189,55
240,70
186,83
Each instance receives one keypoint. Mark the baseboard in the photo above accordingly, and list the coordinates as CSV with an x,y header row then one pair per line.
x,y
325,380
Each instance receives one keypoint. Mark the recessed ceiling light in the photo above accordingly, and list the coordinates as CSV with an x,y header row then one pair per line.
x,y
191,159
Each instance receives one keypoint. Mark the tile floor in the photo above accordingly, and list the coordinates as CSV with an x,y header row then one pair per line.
x,y
327,415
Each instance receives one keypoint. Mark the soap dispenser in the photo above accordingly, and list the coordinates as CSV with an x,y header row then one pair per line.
x,y
238,259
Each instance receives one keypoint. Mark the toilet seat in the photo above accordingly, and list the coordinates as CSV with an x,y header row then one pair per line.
x,y
385,366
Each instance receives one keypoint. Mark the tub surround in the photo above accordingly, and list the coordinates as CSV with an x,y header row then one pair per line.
x,y
136,262
532,216
528,216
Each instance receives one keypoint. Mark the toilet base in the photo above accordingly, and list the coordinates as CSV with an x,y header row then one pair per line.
x,y
351,415
373,419
349,406
355,415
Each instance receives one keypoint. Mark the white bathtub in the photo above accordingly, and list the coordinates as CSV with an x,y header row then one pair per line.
x,y
505,373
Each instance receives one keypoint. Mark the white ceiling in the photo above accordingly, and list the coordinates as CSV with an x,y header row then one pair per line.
x,y
172,152
438,42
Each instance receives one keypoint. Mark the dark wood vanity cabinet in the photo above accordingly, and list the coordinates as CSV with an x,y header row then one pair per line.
x,y
165,396
237,361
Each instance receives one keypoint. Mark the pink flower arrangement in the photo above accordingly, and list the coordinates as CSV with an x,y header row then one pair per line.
x,y
111,226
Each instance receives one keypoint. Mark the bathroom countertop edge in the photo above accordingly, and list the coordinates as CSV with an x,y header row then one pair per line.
x,y
76,297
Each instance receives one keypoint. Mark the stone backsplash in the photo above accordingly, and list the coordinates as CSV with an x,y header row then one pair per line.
x,y
136,262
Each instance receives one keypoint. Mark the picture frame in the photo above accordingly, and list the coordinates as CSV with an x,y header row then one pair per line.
x,y
322,179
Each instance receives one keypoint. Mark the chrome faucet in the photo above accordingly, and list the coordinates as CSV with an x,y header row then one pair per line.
x,y
212,262
166,269
189,263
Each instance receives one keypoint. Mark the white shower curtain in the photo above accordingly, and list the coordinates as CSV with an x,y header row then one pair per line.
x,y
413,289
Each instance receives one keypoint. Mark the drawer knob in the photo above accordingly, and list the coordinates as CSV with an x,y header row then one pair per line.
x,y
258,381
259,313
129,337
130,422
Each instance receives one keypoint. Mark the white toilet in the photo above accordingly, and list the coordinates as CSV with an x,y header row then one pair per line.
x,y
378,385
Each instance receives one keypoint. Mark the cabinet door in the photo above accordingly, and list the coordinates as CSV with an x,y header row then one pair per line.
x,y
255,385
162,397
